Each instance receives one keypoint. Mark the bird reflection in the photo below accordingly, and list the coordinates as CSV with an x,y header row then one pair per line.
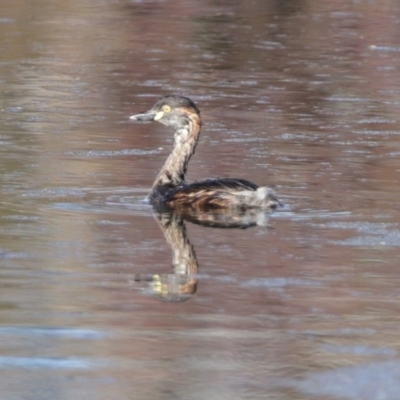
x,y
181,283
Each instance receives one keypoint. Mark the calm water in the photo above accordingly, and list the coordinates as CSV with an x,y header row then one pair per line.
x,y
302,95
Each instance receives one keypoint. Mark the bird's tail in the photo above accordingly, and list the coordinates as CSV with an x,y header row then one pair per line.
x,y
267,198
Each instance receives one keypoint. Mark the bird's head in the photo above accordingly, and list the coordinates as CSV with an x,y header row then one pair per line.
x,y
175,111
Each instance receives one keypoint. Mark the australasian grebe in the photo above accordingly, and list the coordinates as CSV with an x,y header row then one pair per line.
x,y
170,189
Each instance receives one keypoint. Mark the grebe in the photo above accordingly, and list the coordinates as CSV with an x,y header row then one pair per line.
x,y
170,190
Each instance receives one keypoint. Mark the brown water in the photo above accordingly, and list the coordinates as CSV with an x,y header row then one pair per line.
x,y
302,95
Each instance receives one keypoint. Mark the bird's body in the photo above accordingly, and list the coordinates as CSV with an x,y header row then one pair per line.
x,y
211,194
170,190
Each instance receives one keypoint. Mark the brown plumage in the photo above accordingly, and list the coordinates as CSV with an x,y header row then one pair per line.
x,y
170,190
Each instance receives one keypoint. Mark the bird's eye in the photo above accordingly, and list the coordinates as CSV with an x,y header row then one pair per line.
x,y
166,108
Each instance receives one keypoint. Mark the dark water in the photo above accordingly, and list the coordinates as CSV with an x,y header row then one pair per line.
x,y
302,95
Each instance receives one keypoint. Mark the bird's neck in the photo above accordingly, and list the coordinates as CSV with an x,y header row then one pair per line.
x,y
185,141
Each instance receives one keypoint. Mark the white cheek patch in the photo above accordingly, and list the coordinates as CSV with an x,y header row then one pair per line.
x,y
159,115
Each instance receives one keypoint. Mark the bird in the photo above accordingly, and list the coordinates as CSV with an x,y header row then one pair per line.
x,y
170,191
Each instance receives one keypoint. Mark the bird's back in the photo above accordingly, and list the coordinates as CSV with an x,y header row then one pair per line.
x,y
215,194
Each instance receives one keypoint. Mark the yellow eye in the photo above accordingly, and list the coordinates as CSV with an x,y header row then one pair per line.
x,y
165,109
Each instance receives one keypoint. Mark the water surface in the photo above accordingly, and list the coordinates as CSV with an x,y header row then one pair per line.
x,y
303,96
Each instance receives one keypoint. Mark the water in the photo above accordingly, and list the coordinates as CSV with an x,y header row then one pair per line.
x,y
303,96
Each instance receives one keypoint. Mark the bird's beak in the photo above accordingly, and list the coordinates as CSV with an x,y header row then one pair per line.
x,y
146,116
